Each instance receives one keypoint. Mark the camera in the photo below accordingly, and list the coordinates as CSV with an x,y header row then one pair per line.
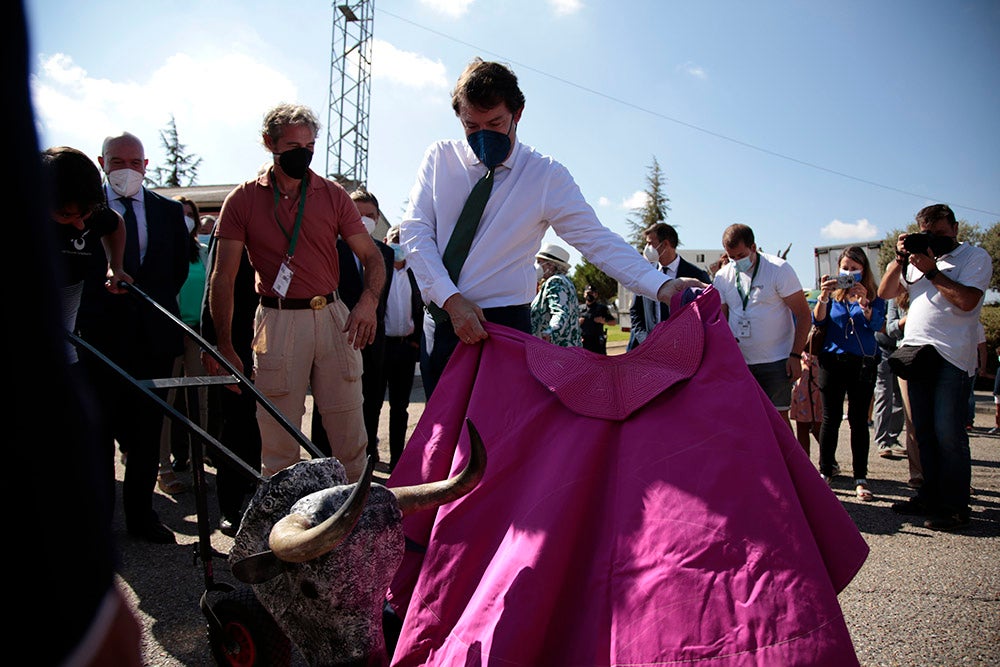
x,y
845,281
920,242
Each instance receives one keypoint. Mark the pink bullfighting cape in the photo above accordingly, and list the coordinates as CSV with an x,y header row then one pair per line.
x,y
644,509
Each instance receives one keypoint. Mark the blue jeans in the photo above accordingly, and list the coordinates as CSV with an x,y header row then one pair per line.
x,y
939,409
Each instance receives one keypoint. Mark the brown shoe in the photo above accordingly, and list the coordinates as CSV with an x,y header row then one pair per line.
x,y
170,484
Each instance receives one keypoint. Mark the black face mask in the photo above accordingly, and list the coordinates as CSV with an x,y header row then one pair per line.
x,y
294,162
590,298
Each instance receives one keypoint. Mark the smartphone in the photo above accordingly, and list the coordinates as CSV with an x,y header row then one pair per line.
x,y
845,281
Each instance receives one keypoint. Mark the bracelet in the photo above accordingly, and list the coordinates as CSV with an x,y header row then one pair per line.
x,y
932,274
795,356
826,300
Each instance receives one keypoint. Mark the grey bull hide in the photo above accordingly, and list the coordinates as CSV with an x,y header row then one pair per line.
x,y
321,553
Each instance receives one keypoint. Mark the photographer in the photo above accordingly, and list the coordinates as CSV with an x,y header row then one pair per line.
x,y
945,281
850,314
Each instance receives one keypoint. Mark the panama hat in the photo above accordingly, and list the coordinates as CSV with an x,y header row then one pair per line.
x,y
554,253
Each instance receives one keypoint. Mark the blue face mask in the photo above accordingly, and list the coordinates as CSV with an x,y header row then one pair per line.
x,y
398,252
490,147
744,263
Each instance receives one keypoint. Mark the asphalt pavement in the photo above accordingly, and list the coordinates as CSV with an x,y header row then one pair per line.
x,y
921,598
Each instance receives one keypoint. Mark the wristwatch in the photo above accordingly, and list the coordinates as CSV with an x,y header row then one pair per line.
x,y
932,274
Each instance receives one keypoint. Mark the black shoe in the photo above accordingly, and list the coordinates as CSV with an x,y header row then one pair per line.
x,y
947,522
912,506
180,466
228,527
154,532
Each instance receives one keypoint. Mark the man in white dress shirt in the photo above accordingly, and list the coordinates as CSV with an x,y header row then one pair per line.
x,y
531,192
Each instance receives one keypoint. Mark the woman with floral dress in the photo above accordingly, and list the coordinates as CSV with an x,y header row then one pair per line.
x,y
555,311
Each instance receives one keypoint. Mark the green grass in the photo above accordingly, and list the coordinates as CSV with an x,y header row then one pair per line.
x,y
616,335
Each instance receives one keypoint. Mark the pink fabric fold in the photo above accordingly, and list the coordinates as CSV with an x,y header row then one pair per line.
x,y
675,522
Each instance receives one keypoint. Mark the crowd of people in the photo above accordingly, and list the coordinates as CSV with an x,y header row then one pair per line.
x,y
292,288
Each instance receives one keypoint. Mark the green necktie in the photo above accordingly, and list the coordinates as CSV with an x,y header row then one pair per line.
x,y
460,242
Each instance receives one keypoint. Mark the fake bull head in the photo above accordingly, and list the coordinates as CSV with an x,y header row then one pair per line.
x,y
321,553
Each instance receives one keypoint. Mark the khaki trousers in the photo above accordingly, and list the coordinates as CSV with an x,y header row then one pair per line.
x,y
294,350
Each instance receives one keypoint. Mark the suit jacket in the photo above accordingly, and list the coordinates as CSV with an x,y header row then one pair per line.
x,y
646,313
352,281
417,308
106,319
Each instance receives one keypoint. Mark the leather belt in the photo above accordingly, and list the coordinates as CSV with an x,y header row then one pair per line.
x,y
316,302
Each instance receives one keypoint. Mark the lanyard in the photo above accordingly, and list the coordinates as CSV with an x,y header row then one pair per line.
x,y
293,239
739,284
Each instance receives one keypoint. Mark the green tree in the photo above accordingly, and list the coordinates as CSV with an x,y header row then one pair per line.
x,y
586,273
966,233
991,244
181,166
653,210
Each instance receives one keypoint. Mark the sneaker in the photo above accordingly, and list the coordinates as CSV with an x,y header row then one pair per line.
x,y
994,431
912,506
885,452
228,527
947,522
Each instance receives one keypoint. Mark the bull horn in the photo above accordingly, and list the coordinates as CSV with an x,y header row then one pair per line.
x,y
294,541
434,494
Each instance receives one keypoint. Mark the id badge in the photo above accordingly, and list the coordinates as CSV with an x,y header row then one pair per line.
x,y
742,328
283,280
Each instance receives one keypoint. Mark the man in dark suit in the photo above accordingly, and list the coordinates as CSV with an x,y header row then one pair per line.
x,y
404,322
133,334
373,355
239,430
661,248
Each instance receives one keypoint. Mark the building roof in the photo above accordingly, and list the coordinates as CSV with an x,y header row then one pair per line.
x,y
209,198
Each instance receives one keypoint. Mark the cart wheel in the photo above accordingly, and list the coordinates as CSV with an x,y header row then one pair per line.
x,y
249,636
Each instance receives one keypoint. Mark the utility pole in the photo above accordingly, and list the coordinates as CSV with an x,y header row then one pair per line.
x,y
350,93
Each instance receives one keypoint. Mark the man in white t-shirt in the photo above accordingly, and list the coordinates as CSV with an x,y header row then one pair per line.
x,y
767,311
946,281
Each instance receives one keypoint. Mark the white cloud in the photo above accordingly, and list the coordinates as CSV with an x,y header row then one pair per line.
x,y
407,68
861,230
603,201
452,8
566,7
638,199
697,71
75,109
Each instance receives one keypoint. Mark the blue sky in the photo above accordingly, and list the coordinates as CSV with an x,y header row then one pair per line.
x,y
815,123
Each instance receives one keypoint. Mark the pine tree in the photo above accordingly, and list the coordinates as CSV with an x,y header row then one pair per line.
x,y
181,166
653,210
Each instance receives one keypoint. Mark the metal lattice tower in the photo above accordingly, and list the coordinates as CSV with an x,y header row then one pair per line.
x,y
350,93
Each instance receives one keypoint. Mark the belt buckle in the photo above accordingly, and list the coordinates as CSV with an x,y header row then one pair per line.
x,y
318,302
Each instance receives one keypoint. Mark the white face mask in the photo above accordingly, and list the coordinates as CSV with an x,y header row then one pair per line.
x,y
539,272
125,182
189,221
651,254
368,223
